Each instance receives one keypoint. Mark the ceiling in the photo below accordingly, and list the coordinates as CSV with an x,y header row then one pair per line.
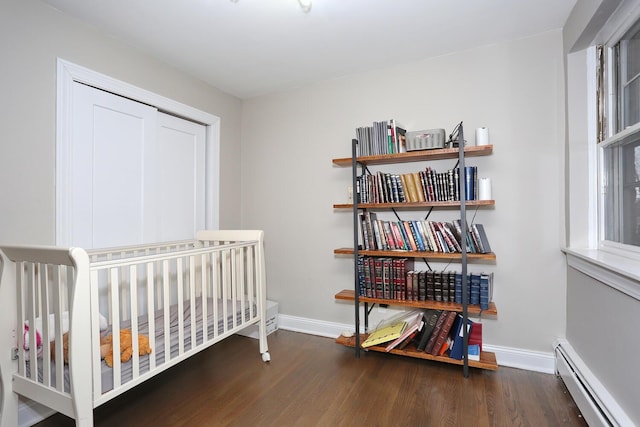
x,y
249,48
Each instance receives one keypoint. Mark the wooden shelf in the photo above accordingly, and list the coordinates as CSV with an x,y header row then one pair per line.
x,y
487,359
444,256
417,156
416,205
350,295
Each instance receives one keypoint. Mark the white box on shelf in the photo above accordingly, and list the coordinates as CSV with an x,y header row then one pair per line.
x,y
272,322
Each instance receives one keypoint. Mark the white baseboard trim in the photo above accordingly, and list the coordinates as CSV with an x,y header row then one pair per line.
x,y
506,356
594,400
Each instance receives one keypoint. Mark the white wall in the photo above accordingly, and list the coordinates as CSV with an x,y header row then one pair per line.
x,y
32,36
289,184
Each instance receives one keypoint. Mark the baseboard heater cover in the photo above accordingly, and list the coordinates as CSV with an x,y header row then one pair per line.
x,y
594,401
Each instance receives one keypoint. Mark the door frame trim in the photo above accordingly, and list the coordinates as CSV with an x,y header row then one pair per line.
x,y
68,74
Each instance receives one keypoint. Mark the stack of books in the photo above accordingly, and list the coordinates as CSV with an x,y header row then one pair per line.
x,y
420,235
384,137
422,186
396,279
436,332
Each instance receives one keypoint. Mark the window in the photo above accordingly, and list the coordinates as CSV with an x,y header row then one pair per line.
x,y
620,154
628,63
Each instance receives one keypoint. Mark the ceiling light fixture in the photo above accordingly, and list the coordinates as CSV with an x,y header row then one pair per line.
x,y
305,5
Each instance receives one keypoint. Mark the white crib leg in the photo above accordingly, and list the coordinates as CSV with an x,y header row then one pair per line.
x,y
262,332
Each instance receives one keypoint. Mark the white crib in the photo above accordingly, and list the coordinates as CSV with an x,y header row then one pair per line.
x,y
184,296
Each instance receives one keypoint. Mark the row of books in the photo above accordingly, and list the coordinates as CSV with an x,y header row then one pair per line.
x,y
385,137
421,235
422,186
396,279
437,332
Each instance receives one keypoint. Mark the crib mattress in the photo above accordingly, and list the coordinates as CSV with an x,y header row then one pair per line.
x,y
158,352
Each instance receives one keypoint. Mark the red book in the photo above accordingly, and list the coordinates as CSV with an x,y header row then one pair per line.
x,y
407,229
443,333
436,330
475,334
413,325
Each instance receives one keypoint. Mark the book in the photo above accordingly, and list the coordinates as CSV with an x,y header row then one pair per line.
x,y
398,236
412,243
412,325
470,173
482,235
385,334
443,333
418,184
475,335
436,330
476,238
456,350
474,289
370,218
409,340
422,287
486,290
430,320
473,352
389,329
416,235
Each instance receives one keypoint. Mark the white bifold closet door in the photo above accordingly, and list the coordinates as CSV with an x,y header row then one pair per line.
x,y
137,175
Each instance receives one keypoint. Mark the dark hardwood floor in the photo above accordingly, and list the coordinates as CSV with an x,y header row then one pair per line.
x,y
311,381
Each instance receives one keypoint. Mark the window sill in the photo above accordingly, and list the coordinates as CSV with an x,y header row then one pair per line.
x,y
613,270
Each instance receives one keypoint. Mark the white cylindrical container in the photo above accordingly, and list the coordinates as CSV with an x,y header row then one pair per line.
x,y
482,136
484,189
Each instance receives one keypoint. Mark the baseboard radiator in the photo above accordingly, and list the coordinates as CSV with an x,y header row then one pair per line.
x,y
594,401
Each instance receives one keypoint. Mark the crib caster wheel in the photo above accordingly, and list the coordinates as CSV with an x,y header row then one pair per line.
x,y
266,357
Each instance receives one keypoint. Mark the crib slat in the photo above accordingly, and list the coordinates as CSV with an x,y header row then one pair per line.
x,y
166,280
20,310
216,260
58,308
224,284
151,313
192,300
133,306
95,340
44,316
180,292
234,284
203,293
32,297
250,281
115,323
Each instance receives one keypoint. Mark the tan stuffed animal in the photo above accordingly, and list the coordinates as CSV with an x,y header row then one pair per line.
x,y
104,347
126,347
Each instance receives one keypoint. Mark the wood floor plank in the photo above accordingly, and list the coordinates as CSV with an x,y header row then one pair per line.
x,y
311,381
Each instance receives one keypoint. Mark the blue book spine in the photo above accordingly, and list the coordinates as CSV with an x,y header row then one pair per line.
x,y
475,289
470,177
485,294
458,288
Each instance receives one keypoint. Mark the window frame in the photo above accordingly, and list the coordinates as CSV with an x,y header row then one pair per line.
x,y
609,119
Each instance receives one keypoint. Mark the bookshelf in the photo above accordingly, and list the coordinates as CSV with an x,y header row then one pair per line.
x,y
487,359
349,295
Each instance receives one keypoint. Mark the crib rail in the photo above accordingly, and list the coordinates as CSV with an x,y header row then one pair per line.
x,y
175,291
51,297
184,296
